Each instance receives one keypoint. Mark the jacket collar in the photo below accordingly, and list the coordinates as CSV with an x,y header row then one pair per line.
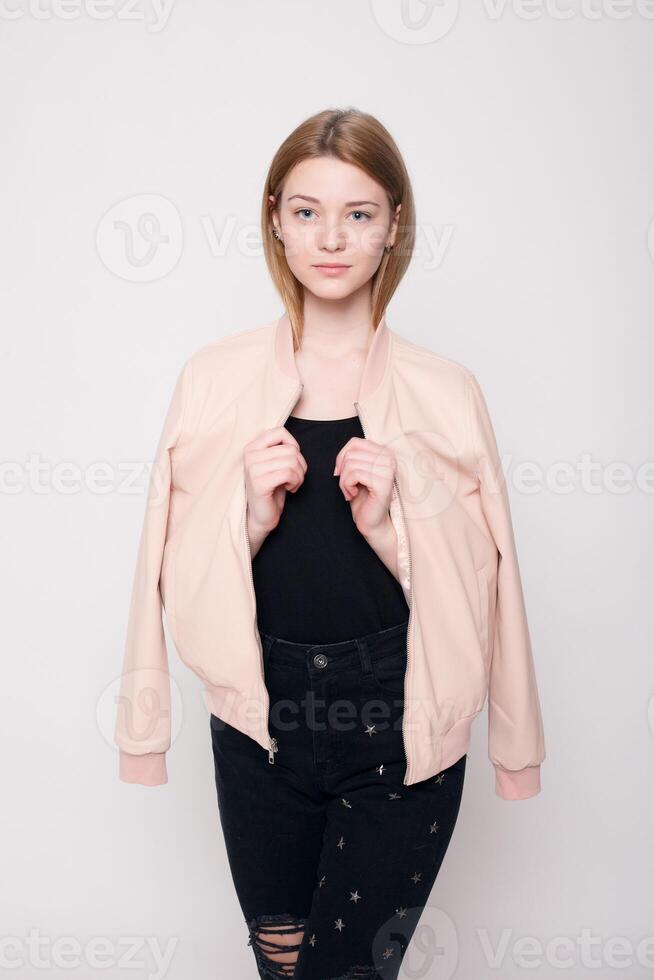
x,y
375,370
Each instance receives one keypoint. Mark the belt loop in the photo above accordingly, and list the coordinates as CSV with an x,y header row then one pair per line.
x,y
267,643
364,657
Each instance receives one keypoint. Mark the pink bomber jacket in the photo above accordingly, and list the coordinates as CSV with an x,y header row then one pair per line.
x,y
468,639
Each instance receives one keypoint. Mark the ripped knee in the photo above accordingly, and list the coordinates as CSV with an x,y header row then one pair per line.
x,y
276,941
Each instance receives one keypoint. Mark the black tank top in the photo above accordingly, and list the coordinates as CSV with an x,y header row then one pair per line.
x,y
316,578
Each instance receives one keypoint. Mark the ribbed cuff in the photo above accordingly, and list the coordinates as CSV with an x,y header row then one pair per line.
x,y
148,769
517,784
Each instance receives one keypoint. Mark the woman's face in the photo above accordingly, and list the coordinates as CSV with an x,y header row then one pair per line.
x,y
334,221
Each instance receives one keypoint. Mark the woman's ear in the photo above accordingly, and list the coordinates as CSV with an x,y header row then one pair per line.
x,y
273,213
394,224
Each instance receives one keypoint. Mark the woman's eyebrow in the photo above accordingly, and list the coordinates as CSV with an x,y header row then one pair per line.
x,y
348,204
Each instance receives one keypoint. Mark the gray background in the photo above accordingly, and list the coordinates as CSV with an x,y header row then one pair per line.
x,y
527,134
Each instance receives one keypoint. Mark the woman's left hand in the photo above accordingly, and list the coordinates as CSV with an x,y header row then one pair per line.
x,y
366,472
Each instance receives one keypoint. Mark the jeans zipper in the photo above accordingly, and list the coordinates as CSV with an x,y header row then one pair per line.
x,y
272,747
410,622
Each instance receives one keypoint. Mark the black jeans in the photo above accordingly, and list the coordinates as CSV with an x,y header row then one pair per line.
x,y
332,857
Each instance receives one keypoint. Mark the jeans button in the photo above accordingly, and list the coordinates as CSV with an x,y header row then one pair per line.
x,y
320,660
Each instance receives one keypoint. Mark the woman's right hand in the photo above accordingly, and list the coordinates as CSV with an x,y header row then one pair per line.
x,y
273,465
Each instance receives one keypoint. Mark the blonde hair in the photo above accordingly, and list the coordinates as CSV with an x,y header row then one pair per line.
x,y
358,138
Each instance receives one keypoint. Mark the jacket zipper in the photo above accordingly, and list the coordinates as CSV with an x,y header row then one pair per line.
x,y
410,623
273,747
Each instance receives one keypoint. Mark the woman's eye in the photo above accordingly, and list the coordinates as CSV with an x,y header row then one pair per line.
x,y
363,213
304,211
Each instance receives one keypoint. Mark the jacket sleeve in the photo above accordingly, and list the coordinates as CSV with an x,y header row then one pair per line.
x,y
516,744
143,720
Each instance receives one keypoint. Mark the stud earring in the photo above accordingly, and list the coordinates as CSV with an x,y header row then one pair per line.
x,y
276,235
388,248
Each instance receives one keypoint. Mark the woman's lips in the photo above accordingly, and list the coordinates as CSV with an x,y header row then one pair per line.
x,y
332,270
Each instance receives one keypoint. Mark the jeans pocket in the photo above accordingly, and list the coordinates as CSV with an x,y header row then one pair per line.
x,y
388,672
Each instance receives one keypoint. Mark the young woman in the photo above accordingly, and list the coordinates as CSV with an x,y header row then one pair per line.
x,y
329,532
